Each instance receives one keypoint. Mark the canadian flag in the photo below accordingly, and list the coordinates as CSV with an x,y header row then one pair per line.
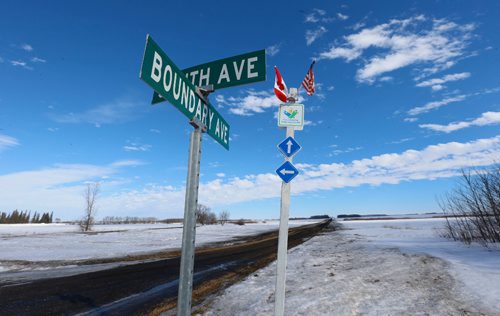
x,y
280,87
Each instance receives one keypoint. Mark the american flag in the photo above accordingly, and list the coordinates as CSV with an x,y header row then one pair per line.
x,y
308,82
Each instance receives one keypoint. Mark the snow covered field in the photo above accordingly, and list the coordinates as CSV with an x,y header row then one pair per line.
x,y
386,267
49,242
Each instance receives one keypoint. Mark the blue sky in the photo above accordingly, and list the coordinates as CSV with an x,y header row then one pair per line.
x,y
408,93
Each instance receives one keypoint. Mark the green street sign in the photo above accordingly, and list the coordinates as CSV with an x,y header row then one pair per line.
x,y
169,81
228,72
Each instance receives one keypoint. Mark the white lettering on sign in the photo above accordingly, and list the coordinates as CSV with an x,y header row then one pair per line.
x,y
204,78
198,111
168,70
156,70
251,66
211,119
204,115
224,74
217,128
192,100
177,84
224,133
238,71
193,76
185,95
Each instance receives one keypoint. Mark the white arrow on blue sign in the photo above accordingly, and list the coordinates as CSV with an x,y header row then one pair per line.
x,y
289,147
287,171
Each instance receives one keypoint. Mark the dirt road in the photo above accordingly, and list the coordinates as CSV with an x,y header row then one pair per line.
x,y
143,284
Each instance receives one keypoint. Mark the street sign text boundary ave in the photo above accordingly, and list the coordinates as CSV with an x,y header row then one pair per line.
x,y
169,81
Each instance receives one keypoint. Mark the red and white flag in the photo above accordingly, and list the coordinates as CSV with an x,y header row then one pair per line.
x,y
308,82
280,87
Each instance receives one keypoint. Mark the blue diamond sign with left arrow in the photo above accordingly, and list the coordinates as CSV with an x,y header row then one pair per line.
x,y
287,171
289,147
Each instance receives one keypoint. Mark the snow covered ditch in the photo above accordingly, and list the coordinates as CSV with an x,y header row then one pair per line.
x,y
383,267
54,242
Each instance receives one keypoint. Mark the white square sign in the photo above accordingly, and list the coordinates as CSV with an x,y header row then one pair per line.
x,y
291,115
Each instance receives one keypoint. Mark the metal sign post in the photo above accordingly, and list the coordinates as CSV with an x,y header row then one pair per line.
x,y
184,296
279,302
188,91
189,227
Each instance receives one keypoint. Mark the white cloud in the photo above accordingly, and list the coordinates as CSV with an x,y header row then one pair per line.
x,y
330,88
253,102
411,119
402,140
137,147
273,49
59,188
20,63
487,118
313,35
7,142
127,163
401,43
432,162
311,123
38,60
154,130
437,83
119,111
436,104
315,16
27,47
341,16
52,129
221,175
337,152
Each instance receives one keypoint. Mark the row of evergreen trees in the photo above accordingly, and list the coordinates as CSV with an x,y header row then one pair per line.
x,y
24,217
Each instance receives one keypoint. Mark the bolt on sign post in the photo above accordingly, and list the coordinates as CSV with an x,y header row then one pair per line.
x,y
178,88
291,117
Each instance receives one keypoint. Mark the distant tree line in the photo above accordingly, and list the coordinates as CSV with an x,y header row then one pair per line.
x,y
128,220
25,217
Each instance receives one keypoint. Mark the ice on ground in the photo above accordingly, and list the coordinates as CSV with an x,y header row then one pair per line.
x,y
475,266
374,268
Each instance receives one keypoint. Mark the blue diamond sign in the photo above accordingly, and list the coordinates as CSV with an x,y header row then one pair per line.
x,y
289,147
287,171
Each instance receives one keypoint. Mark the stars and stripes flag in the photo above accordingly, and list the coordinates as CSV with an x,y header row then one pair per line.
x,y
280,87
308,82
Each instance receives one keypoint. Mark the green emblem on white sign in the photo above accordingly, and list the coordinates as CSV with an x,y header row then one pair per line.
x,y
291,115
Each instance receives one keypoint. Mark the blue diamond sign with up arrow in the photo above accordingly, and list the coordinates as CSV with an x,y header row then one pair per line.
x,y
289,147
287,172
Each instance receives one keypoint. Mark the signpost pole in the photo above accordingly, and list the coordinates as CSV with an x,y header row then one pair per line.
x,y
279,302
189,227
